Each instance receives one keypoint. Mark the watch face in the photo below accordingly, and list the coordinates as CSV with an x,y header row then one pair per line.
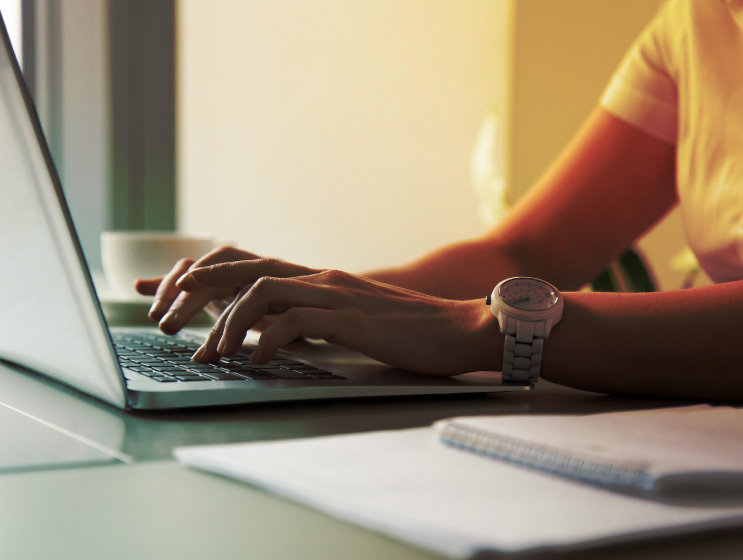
x,y
528,294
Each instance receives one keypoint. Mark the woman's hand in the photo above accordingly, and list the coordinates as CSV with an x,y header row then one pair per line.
x,y
173,308
396,326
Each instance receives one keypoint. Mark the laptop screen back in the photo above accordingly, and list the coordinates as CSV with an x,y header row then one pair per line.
x,y
50,320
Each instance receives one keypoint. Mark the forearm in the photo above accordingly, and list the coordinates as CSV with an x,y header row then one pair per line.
x,y
470,269
680,344
464,270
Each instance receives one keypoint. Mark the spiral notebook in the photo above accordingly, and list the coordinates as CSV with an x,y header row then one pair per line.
x,y
698,448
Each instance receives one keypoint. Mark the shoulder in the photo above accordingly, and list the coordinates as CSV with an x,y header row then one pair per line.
x,y
643,89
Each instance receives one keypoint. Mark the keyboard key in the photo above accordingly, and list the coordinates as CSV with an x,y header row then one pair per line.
x,y
167,359
224,376
285,362
287,374
184,349
319,374
245,370
196,366
163,379
258,375
240,368
167,368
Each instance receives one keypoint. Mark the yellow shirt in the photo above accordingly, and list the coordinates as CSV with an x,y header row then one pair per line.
x,y
682,82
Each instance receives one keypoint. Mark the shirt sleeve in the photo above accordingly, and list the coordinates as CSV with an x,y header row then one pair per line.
x,y
642,90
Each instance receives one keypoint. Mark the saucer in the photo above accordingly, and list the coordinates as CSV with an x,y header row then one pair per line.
x,y
131,312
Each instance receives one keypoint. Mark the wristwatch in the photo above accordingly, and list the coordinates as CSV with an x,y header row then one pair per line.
x,y
527,309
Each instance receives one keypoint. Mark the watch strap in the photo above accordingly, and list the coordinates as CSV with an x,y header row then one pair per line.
x,y
522,358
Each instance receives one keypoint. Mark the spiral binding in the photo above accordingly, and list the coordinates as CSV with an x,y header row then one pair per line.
x,y
544,458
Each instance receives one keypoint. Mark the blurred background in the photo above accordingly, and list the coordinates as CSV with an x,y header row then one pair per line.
x,y
334,133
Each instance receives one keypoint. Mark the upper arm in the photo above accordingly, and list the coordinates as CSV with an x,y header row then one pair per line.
x,y
609,186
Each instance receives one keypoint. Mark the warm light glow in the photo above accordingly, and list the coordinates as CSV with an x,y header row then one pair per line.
x,y
11,11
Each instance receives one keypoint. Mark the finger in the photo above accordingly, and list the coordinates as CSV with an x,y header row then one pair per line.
x,y
183,309
185,306
148,286
312,323
167,290
224,255
271,295
208,351
240,273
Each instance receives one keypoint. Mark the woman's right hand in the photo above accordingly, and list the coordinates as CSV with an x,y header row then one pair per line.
x,y
173,308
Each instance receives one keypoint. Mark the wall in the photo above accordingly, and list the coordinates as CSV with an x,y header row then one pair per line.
x,y
335,133
339,133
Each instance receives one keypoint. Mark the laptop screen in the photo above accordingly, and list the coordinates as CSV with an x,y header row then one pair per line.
x,y
50,320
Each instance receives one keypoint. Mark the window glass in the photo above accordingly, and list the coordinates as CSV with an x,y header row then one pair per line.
x,y
11,10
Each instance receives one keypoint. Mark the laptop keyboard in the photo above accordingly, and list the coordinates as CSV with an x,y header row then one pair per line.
x,y
167,359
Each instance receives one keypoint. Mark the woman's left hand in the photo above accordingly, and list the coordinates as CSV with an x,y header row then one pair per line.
x,y
399,327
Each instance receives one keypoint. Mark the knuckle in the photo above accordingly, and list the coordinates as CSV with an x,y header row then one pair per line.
x,y
332,276
271,264
260,284
342,276
263,285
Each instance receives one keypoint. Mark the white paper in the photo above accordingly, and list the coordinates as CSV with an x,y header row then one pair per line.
x,y
408,485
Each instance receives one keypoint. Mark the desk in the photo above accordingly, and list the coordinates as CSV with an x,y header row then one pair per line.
x,y
114,492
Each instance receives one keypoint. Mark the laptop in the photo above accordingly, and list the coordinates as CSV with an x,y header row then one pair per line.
x,y
51,320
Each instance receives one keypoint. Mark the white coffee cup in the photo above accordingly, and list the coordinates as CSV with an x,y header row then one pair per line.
x,y
128,255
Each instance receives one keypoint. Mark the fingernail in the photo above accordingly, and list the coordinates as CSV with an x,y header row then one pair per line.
x,y
168,324
182,279
196,273
197,355
221,346
155,310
